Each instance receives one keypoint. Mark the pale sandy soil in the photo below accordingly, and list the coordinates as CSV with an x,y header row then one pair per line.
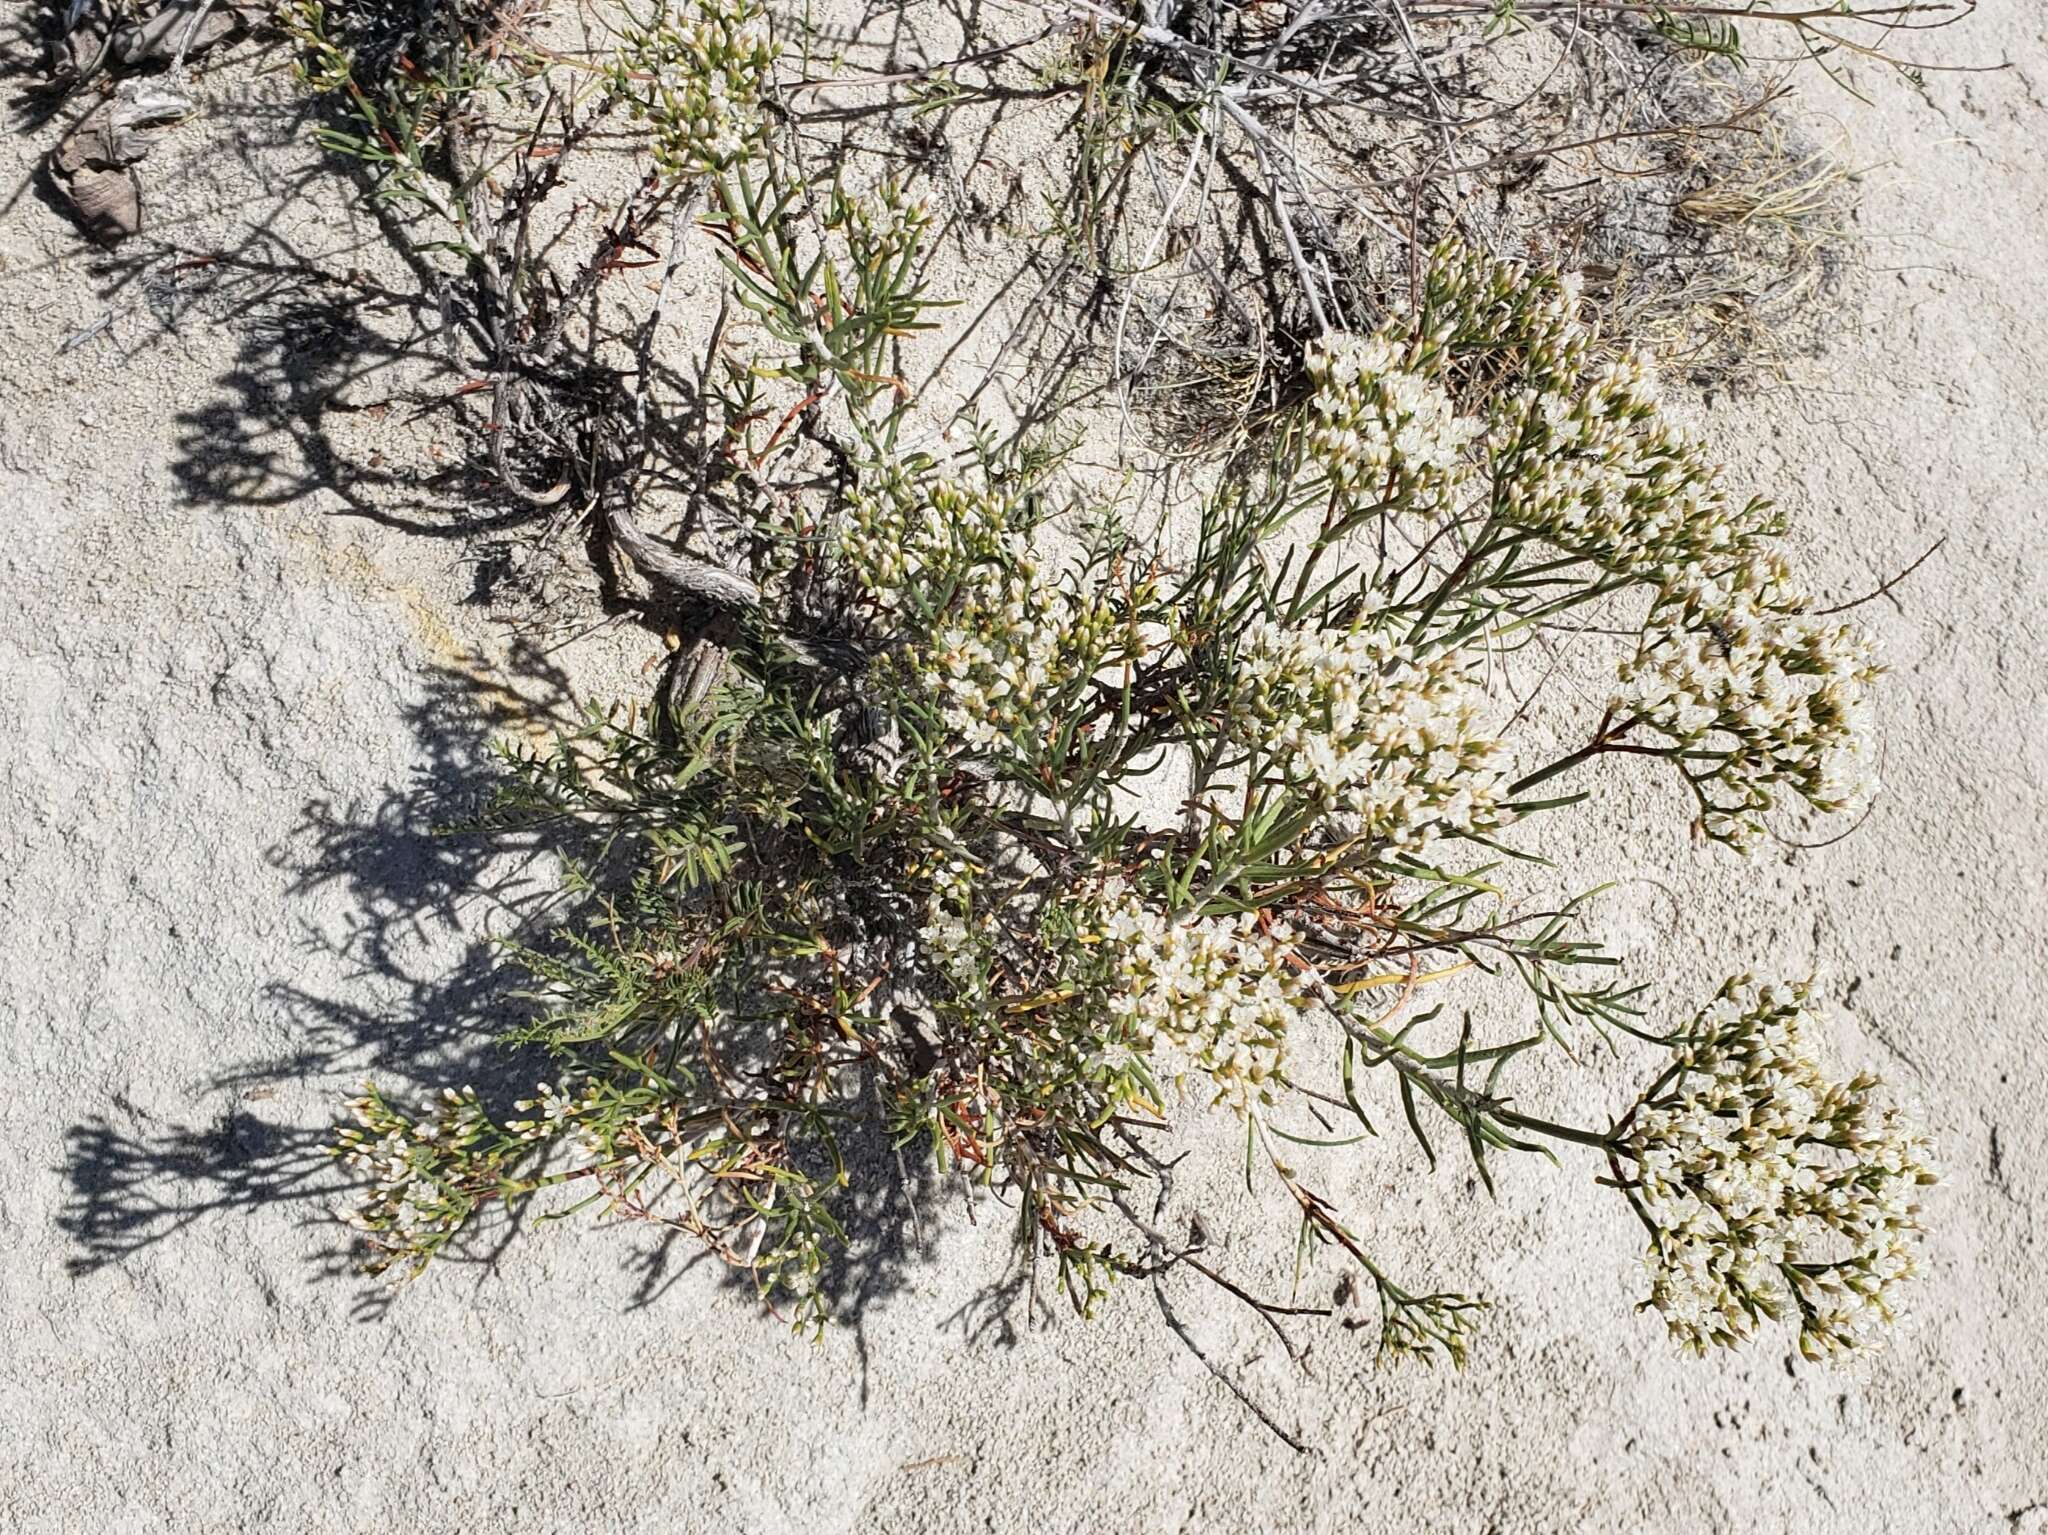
x,y
225,692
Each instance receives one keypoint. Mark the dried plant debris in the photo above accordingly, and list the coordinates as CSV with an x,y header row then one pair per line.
x,y
1724,253
93,169
94,166
88,37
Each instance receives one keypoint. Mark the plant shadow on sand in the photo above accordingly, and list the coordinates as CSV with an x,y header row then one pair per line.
x,y
408,1015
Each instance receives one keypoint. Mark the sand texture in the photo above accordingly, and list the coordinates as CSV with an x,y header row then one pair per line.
x,y
242,676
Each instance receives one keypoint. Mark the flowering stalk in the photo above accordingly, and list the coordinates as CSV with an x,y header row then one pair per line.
x,y
1771,1192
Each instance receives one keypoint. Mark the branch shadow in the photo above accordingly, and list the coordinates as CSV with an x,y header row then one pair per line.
x,y
404,1011
401,1009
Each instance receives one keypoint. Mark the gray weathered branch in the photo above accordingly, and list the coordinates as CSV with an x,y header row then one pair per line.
x,y
708,583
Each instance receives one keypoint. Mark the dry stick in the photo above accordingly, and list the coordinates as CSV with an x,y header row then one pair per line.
x,y
1414,52
1198,257
1843,607
1159,37
678,231
185,42
709,583
1266,1311
1250,1403
1735,122
1307,16
1319,225
1164,1255
903,76
692,679
1872,15
1309,172
1260,134
482,235
1154,245
1514,105
1160,1249
1277,199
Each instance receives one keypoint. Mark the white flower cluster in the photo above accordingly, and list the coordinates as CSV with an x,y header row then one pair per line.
x,y
1220,988
1580,451
1732,669
1363,724
880,226
1382,429
1772,1191
418,1191
1758,693
1592,466
1493,306
908,531
1003,636
947,936
1007,647
553,1110
707,63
